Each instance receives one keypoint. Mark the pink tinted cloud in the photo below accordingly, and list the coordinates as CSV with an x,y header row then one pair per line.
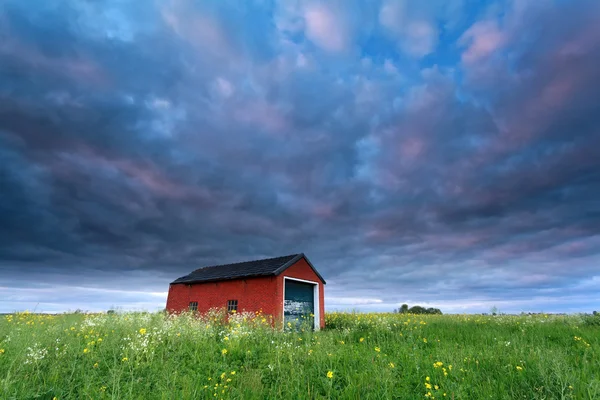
x,y
263,115
251,223
324,210
556,94
145,174
540,98
378,234
454,240
530,117
79,69
412,148
482,40
403,149
583,43
200,30
326,28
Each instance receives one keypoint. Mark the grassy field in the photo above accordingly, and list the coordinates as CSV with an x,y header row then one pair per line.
x,y
358,356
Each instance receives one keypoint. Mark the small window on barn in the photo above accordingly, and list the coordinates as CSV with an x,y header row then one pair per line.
x,y
193,306
232,305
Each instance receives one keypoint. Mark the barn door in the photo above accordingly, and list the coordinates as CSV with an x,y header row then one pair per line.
x,y
299,303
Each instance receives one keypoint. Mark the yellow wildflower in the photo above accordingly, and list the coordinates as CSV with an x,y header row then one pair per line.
x,y
519,368
224,351
96,365
377,349
142,331
392,365
362,339
232,372
330,374
85,351
124,359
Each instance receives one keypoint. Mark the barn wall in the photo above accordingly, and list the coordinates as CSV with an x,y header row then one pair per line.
x,y
301,270
252,294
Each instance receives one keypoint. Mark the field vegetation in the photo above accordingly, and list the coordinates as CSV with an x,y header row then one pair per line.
x,y
358,356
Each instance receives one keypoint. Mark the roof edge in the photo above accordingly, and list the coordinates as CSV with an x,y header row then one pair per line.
x,y
294,261
175,282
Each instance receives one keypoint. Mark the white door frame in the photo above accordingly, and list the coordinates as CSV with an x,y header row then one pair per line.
x,y
317,318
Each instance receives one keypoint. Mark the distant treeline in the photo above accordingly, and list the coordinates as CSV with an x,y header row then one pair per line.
x,y
416,310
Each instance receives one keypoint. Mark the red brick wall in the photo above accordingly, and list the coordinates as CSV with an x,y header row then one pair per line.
x,y
252,294
301,270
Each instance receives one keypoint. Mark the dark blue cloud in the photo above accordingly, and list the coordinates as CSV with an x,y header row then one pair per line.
x,y
423,153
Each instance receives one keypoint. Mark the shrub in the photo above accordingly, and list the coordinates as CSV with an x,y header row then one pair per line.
x,y
592,320
417,310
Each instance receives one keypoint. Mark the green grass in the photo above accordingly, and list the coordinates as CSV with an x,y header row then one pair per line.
x,y
149,356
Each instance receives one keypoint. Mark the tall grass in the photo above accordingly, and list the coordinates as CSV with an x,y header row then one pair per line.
x,y
358,356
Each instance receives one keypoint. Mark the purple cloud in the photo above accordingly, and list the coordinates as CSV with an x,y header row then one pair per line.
x,y
440,155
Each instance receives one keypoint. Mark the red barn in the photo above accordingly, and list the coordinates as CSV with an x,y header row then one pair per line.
x,y
287,288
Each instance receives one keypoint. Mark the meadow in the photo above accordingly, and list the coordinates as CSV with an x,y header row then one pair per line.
x,y
358,356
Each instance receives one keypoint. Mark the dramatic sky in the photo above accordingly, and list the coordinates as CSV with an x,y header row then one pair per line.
x,y
437,153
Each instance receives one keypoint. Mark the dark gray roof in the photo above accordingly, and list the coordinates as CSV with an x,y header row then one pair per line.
x,y
246,269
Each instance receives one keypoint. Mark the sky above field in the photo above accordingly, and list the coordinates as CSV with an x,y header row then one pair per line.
x,y
445,154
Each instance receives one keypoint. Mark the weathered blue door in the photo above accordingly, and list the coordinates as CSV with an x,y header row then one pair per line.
x,y
299,303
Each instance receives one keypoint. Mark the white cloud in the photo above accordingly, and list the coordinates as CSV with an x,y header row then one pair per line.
x,y
202,31
224,87
62,298
159,103
389,67
351,301
416,33
325,28
416,25
301,60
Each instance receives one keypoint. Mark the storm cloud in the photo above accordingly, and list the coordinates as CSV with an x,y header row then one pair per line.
x,y
432,154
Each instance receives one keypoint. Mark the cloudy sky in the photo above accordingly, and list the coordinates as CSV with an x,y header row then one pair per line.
x,y
436,153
